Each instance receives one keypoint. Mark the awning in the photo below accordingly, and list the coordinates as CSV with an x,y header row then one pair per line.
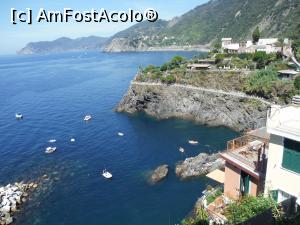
x,y
217,175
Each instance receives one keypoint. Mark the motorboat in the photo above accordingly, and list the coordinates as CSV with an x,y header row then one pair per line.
x,y
193,142
52,141
50,150
87,118
72,139
121,134
181,149
19,116
106,174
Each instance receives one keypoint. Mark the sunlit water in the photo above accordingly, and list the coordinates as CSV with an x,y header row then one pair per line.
x,y
54,93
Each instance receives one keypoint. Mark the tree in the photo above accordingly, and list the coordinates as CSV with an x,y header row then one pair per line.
x,y
280,43
297,83
255,35
177,61
261,59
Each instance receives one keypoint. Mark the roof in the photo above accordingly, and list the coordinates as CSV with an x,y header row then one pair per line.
x,y
234,46
195,65
292,72
284,121
217,175
226,39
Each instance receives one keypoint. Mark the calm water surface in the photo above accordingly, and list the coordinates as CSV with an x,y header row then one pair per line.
x,y
54,93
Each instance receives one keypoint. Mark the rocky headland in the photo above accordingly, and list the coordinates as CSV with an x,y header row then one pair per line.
x,y
206,106
199,165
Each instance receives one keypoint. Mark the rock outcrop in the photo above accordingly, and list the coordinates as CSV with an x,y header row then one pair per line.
x,y
210,107
199,165
159,173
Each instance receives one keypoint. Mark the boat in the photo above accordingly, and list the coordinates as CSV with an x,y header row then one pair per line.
x,y
106,174
193,142
121,134
19,116
87,118
72,139
181,149
52,141
50,150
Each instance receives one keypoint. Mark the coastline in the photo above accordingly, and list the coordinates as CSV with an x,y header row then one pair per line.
x,y
235,110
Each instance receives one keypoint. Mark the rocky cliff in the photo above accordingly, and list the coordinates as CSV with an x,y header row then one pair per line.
x,y
210,107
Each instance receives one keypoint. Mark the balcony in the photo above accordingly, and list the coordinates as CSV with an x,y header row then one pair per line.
x,y
248,152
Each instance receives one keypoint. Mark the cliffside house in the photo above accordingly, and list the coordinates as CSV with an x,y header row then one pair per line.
x,y
268,45
245,164
198,66
287,74
283,170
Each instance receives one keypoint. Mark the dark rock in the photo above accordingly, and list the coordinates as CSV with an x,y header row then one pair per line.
x,y
159,173
199,165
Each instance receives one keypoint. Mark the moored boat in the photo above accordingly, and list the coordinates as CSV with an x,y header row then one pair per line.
x,y
19,116
193,142
50,150
87,118
106,174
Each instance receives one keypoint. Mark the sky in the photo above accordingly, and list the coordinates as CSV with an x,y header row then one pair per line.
x,y
14,37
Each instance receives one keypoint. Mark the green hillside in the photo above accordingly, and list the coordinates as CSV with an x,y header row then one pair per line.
x,y
220,18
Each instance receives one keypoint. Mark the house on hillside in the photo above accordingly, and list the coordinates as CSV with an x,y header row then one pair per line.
x,y
198,66
245,164
268,45
287,74
283,170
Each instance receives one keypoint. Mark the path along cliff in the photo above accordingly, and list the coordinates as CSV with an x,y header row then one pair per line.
x,y
206,106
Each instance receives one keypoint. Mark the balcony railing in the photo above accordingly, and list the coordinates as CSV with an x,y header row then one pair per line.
x,y
250,150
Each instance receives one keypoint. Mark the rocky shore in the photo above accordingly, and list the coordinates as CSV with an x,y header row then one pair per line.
x,y
199,165
159,174
12,196
211,107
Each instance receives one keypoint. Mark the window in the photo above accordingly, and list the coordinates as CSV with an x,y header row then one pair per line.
x,y
291,155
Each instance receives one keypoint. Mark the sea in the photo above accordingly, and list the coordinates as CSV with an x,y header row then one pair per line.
x,y
54,92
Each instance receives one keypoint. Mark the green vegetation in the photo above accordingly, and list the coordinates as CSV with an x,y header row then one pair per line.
x,y
201,218
255,35
210,198
217,19
297,83
247,208
265,83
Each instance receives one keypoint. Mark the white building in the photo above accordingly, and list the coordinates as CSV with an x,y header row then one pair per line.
x,y
283,169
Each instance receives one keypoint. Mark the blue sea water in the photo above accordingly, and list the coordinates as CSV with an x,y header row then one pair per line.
x,y
54,93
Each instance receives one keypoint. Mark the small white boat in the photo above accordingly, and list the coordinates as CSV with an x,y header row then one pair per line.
x,y
106,174
72,139
19,116
52,141
87,118
193,142
181,149
121,134
50,150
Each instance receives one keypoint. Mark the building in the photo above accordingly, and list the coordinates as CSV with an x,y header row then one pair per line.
x,y
283,170
268,45
287,74
245,164
225,42
197,66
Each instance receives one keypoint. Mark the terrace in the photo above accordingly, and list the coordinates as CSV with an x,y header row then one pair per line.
x,y
248,152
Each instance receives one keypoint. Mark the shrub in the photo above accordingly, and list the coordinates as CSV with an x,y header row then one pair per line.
x,y
210,198
260,82
170,79
247,208
261,58
297,83
219,58
177,61
149,68
201,218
